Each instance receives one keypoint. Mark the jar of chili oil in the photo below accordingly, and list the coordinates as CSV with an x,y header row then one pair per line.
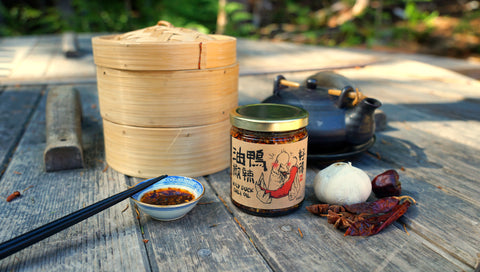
x,y
268,158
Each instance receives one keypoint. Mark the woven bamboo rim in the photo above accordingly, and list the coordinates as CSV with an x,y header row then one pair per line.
x,y
167,98
164,47
150,152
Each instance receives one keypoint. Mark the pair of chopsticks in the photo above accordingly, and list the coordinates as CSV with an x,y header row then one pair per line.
x,y
20,242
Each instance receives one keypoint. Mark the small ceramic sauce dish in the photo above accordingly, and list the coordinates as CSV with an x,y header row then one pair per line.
x,y
170,198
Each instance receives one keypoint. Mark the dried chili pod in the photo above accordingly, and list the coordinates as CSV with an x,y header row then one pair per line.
x,y
375,224
13,196
364,219
322,209
382,205
387,184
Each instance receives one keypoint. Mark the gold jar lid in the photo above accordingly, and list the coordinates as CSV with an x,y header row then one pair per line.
x,y
268,117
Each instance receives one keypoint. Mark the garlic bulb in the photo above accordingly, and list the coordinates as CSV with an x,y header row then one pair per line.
x,y
342,184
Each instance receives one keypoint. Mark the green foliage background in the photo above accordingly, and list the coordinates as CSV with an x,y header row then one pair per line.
x,y
29,17
302,21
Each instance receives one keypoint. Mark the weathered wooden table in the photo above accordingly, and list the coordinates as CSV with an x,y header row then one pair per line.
x,y
432,140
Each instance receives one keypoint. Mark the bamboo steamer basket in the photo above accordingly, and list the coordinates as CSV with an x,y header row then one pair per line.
x,y
164,47
167,98
165,94
163,76
148,152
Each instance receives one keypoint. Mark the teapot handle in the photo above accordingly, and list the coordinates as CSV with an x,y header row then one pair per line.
x,y
280,82
277,85
343,97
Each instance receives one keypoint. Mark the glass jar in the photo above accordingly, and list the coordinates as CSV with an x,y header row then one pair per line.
x,y
268,158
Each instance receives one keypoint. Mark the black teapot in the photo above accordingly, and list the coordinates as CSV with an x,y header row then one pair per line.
x,y
341,118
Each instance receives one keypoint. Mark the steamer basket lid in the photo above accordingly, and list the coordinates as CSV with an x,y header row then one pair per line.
x,y
164,47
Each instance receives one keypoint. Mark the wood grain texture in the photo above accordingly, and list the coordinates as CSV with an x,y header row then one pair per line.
x,y
326,249
14,51
256,57
206,239
35,60
110,52
16,107
167,98
263,57
105,241
438,191
150,152
71,70
63,128
432,134
431,140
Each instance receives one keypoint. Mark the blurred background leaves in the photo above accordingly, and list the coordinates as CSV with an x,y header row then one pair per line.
x,y
443,27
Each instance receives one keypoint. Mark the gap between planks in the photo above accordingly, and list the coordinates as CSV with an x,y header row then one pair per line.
x,y
237,222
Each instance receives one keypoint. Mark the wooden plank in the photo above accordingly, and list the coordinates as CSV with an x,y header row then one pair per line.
x,y
63,116
36,61
443,170
434,135
451,119
468,67
419,75
255,57
48,81
261,57
422,79
206,239
107,241
70,45
442,176
13,51
448,213
322,247
16,106
40,60
81,67
454,166
449,222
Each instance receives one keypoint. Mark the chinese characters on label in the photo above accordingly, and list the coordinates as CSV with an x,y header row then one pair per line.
x,y
268,176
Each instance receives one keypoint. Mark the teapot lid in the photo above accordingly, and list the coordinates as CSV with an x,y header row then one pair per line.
x,y
269,117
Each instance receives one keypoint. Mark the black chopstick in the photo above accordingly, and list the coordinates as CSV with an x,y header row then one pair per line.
x,y
20,242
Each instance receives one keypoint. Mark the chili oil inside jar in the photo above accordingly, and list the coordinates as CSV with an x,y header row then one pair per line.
x,y
268,158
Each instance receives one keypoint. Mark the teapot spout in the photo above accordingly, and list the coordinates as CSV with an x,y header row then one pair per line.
x,y
369,105
360,121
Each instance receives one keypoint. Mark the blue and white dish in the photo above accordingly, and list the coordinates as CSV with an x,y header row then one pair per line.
x,y
171,212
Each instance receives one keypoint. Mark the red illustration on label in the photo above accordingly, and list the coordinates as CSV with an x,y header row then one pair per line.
x,y
268,176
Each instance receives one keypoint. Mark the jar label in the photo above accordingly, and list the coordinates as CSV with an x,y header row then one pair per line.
x,y
268,176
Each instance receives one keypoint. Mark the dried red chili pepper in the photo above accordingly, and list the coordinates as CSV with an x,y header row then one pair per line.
x,y
322,209
375,224
382,205
387,184
364,219
13,196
